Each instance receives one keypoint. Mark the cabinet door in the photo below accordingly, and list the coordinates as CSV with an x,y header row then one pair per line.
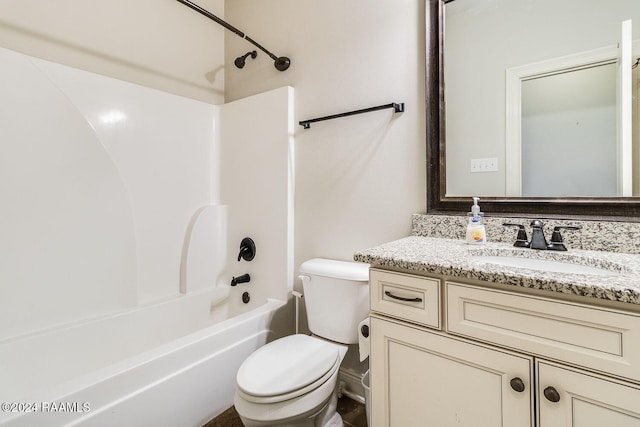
x,y
570,397
422,378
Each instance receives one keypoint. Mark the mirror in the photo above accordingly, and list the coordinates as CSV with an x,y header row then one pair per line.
x,y
478,126
568,145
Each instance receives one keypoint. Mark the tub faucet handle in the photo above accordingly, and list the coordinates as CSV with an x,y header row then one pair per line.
x,y
247,249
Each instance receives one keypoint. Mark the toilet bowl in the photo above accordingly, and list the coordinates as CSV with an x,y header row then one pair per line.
x,y
292,381
289,382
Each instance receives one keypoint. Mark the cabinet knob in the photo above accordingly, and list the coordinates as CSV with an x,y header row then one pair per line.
x,y
517,384
551,394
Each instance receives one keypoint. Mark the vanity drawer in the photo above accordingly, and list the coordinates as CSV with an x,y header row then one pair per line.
x,y
405,296
598,338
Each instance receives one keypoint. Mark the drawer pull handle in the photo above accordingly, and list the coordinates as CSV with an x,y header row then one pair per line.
x,y
517,384
390,295
552,394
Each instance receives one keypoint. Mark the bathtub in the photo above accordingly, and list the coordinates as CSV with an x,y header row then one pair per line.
x,y
139,367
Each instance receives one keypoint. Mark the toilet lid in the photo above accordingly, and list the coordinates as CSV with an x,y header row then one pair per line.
x,y
285,365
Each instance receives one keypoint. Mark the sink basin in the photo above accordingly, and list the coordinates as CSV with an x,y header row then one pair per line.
x,y
544,265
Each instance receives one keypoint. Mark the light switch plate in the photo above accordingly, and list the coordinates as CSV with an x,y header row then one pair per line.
x,y
484,165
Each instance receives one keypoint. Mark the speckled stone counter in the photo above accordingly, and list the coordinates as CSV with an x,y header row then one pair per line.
x,y
594,235
455,258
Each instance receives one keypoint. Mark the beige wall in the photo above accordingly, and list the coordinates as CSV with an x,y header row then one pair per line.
x,y
160,44
358,179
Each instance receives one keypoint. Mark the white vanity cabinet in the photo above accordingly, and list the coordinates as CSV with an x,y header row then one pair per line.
x,y
582,398
422,378
498,358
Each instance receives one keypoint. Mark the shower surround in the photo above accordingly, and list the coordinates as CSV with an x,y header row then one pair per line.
x,y
123,209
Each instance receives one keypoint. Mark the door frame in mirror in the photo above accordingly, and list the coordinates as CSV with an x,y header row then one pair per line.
x,y
609,208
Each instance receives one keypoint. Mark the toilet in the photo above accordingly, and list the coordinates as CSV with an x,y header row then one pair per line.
x,y
293,381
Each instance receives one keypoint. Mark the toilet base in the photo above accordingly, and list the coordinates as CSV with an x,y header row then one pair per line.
x,y
328,416
335,421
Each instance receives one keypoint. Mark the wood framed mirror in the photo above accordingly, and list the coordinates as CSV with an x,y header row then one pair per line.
x,y
609,208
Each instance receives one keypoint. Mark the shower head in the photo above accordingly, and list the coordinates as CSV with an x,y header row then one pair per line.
x,y
240,60
282,63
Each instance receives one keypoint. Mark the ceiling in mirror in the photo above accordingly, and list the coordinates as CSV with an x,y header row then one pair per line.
x,y
535,98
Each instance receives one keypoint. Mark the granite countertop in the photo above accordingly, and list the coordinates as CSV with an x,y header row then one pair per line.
x,y
455,258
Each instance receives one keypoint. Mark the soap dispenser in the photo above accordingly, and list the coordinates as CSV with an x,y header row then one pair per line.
x,y
476,233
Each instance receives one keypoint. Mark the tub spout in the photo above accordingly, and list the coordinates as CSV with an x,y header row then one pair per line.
x,y
245,278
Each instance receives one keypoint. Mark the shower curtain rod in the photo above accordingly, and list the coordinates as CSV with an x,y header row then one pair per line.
x,y
398,107
281,63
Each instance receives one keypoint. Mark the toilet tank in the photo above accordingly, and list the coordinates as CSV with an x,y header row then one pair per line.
x,y
336,295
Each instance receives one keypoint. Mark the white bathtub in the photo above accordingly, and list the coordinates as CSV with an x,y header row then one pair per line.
x,y
170,364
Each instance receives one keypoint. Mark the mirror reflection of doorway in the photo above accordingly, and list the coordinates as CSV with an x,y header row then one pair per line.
x,y
569,133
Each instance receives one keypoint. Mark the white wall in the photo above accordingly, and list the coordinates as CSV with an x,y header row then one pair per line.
x,y
358,179
99,181
256,166
67,243
160,44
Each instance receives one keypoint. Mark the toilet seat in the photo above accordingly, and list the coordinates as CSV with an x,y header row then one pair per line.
x,y
287,368
279,413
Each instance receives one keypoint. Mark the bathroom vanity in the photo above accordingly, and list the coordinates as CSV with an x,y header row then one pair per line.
x,y
465,335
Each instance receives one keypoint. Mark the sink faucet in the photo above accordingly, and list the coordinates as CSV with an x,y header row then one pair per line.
x,y
538,239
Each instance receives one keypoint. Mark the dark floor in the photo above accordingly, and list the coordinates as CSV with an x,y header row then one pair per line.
x,y
353,415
